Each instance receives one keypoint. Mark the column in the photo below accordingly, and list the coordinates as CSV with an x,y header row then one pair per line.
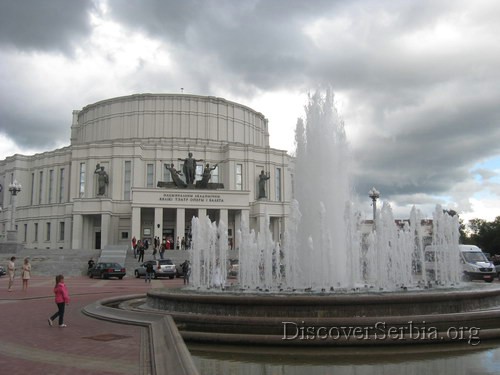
x,y
76,232
224,217
202,213
136,223
158,231
180,225
105,229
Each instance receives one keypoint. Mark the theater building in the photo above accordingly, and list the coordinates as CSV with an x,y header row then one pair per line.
x,y
114,181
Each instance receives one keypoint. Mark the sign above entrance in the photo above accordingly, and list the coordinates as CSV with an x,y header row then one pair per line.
x,y
174,198
191,197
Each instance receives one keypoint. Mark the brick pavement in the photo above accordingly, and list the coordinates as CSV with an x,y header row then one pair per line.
x,y
87,346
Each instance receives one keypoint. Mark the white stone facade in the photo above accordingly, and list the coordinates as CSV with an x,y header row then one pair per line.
x,y
133,138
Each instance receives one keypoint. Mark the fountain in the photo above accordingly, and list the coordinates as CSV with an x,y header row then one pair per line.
x,y
329,283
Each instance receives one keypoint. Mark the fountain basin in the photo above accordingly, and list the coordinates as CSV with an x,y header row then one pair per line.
x,y
332,319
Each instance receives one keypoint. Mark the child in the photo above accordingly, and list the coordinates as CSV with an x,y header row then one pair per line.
x,y
62,299
26,273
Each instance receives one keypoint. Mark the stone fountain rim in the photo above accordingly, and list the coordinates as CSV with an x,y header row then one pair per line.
x,y
409,296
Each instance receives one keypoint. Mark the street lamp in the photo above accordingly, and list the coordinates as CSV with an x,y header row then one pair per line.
x,y
14,188
374,194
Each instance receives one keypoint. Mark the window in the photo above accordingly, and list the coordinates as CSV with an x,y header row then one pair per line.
x,y
47,236
51,184
150,176
199,172
32,188
215,175
127,180
36,232
25,232
40,188
277,184
61,231
166,173
124,235
61,185
239,176
82,180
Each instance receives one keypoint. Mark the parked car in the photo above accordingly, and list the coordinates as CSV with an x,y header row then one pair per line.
x,y
2,271
105,270
162,268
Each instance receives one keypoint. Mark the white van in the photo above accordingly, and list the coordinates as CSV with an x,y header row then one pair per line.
x,y
475,264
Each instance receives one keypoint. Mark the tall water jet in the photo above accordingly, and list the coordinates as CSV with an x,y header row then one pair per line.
x,y
324,246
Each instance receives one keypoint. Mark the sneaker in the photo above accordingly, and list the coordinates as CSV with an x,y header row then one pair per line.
x,y
50,322
62,326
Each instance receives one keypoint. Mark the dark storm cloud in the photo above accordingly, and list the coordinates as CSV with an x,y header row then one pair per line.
x,y
54,25
425,109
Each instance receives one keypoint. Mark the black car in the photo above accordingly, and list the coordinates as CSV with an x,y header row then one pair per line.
x,y
2,271
105,270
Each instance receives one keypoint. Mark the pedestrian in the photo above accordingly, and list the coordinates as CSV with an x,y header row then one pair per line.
x,y
162,250
155,250
186,270
149,272
11,270
26,275
134,246
62,299
141,251
90,265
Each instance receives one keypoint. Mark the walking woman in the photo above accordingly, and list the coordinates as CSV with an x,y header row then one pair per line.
x,y
26,273
62,299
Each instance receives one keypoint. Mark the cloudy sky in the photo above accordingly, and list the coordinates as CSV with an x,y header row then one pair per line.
x,y
417,83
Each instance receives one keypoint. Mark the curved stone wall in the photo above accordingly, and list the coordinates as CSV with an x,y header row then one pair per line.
x,y
160,116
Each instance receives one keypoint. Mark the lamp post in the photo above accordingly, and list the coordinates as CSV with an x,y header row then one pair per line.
x,y
14,188
374,194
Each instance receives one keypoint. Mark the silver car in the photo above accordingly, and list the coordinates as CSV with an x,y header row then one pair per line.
x,y
161,268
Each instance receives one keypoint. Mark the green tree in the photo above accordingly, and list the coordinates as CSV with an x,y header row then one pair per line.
x,y
485,234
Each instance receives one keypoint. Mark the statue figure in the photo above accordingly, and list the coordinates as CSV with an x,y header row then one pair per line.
x,y
175,176
207,175
102,179
189,168
262,184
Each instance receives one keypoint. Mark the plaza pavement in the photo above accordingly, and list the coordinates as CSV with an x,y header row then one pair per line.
x,y
28,345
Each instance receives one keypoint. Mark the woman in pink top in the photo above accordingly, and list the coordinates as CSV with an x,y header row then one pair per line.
x,y
62,299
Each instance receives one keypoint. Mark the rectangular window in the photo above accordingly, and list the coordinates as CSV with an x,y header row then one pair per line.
x,y
61,231
277,184
47,236
51,184
61,185
215,175
40,188
127,180
150,176
124,235
32,188
199,172
25,232
36,232
166,173
239,176
82,180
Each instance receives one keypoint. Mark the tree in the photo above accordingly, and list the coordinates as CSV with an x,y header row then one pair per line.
x,y
485,234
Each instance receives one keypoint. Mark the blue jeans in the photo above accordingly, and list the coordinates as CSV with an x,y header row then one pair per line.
x,y
149,276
